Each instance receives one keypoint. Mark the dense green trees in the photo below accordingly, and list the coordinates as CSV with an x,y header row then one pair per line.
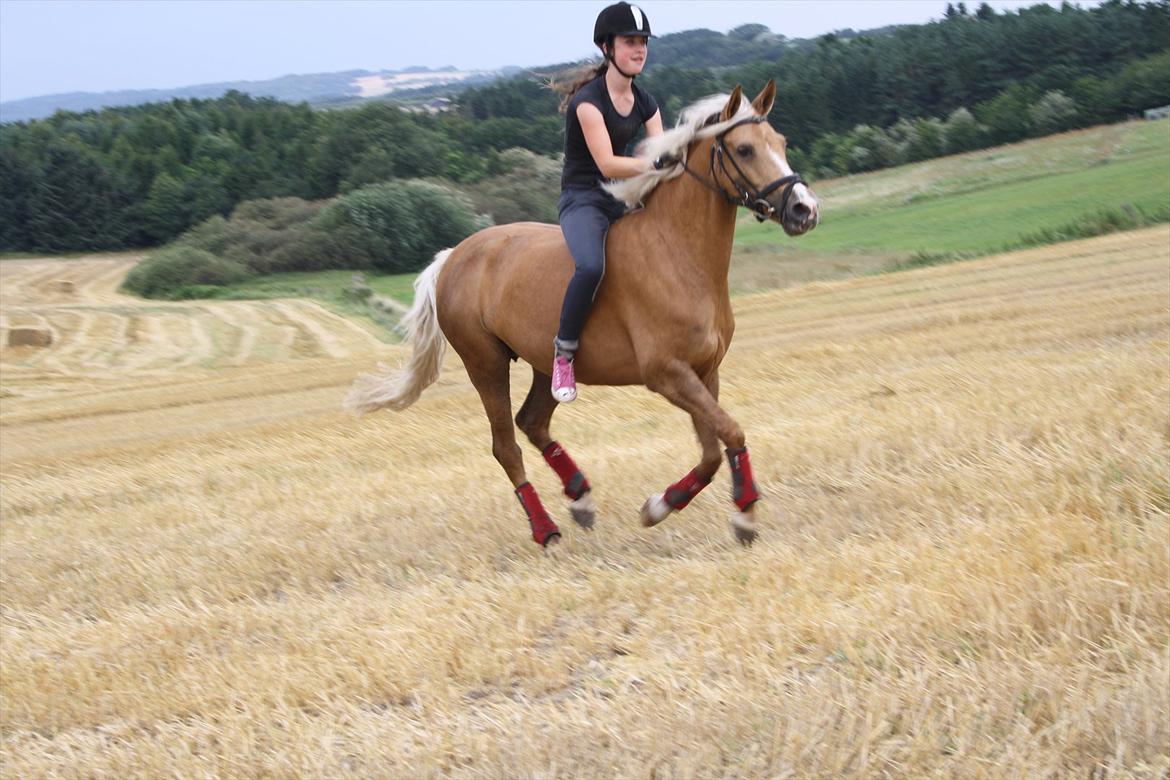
x,y
140,176
847,102
967,60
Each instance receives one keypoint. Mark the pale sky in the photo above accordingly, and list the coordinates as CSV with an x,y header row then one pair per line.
x,y
54,46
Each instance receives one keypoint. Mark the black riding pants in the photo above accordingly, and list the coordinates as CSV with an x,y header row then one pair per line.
x,y
585,215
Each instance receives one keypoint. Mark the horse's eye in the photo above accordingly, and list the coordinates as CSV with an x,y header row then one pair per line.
x,y
744,150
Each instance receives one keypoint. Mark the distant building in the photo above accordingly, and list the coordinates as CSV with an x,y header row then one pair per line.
x,y
1157,113
437,105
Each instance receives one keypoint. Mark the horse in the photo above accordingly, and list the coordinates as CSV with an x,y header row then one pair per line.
x,y
662,318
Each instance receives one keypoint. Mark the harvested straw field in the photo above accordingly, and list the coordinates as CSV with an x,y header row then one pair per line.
x,y
100,337
209,571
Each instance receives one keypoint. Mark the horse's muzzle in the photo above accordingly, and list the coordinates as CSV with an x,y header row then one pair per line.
x,y
794,207
799,217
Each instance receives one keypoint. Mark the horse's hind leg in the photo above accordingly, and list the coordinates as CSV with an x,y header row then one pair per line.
x,y
487,365
533,419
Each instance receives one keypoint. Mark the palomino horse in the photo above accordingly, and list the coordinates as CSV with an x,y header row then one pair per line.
x,y
662,318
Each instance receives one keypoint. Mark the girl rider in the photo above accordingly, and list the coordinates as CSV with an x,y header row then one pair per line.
x,y
604,110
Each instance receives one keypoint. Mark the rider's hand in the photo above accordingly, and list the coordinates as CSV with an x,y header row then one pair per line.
x,y
666,161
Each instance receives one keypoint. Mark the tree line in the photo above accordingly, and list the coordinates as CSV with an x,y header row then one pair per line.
x,y
141,176
390,227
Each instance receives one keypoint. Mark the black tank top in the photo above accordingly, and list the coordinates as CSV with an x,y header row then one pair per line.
x,y
580,168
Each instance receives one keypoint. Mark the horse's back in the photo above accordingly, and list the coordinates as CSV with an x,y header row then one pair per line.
x,y
508,282
494,264
505,280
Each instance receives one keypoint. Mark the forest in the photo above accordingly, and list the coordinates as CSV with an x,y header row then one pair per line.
x,y
143,176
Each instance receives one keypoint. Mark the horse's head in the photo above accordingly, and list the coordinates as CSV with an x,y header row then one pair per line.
x,y
749,163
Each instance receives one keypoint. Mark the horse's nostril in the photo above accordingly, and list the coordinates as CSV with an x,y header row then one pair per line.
x,y
801,211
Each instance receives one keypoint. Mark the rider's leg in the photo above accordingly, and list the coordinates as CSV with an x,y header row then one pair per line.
x,y
585,217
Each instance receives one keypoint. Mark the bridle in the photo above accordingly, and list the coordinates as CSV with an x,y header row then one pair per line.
x,y
749,196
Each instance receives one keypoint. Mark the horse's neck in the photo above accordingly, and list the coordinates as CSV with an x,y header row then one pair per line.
x,y
700,220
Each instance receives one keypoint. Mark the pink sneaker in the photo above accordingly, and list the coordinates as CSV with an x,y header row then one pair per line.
x,y
564,384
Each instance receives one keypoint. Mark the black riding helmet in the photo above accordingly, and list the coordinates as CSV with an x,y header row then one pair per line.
x,y
619,19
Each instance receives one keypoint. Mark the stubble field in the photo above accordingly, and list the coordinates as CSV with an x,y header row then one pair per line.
x,y
208,570
102,337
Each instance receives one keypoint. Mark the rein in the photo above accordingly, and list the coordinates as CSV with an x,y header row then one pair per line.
x,y
749,196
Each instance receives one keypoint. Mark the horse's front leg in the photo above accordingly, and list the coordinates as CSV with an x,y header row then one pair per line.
x,y
680,385
660,505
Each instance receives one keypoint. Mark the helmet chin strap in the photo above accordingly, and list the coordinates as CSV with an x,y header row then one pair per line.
x,y
612,61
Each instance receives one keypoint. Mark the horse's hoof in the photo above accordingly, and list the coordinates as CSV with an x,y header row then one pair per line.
x,y
584,511
744,526
655,510
552,543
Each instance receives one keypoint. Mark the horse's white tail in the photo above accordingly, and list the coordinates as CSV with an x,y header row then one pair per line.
x,y
399,389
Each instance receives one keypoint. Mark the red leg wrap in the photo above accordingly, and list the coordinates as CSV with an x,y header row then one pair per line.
x,y
543,528
571,477
743,488
680,493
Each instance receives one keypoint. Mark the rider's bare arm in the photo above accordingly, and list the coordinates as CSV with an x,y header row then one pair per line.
x,y
654,124
597,139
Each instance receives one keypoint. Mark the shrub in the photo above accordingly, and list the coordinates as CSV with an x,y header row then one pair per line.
x,y
1052,113
310,249
253,244
169,273
798,162
1096,223
527,189
213,235
269,236
1143,84
357,291
276,213
395,227
826,150
926,259
917,139
865,149
1006,114
961,133
399,224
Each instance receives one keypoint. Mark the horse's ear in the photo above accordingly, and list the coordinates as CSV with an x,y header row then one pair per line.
x,y
763,102
732,106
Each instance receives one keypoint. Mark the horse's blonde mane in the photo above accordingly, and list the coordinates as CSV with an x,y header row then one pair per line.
x,y
692,124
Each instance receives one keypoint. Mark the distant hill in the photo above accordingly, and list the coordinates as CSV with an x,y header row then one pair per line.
x,y
691,48
316,88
